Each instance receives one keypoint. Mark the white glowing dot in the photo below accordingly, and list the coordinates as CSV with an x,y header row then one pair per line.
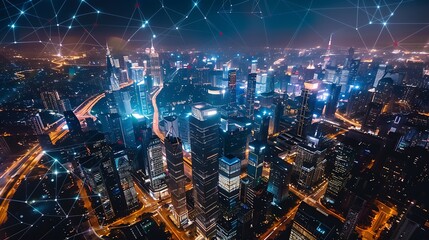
x,y
146,22
143,25
154,36
370,22
58,25
384,23
378,6
22,12
14,42
69,27
391,14
205,17
98,11
12,26
195,4
74,17
177,28
186,17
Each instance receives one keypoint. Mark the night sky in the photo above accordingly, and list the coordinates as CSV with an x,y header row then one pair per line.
x,y
215,24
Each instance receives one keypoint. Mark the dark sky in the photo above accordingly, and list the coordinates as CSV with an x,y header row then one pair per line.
x,y
214,23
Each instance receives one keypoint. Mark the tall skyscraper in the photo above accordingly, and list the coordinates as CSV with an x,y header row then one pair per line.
x,y
123,166
111,78
229,184
331,104
73,122
280,175
232,83
171,126
341,173
250,95
158,188
155,67
176,179
353,71
143,97
235,139
37,124
308,102
381,71
204,134
256,160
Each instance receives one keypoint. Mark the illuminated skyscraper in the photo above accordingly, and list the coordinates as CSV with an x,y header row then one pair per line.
x,y
380,74
112,80
143,97
341,173
155,67
123,166
229,184
232,83
158,188
305,113
205,135
331,103
176,179
250,95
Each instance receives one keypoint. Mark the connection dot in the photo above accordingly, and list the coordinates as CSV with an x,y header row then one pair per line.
x,y
195,4
22,12
143,25
370,22
98,11
177,28
12,26
74,17
146,22
69,27
378,6
384,23
154,36
391,14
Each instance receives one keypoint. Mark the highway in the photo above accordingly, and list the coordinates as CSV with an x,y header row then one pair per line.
x,y
12,177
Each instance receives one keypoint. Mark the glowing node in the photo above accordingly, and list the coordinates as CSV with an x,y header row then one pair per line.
x,y
43,152
56,200
58,25
195,3
12,26
14,42
384,23
370,22
186,17
205,17
378,6
391,14
143,25
74,17
22,12
69,27
98,11
146,22
177,28
154,36
60,46
129,40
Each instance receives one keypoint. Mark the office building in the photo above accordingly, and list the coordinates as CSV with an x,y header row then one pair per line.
x,y
232,84
176,179
37,124
308,102
250,95
229,184
344,158
204,134
157,186
51,101
313,224
278,184
73,122
255,162
123,166
332,101
171,124
235,137
381,71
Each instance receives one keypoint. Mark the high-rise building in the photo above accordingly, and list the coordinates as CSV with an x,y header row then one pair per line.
x,y
232,84
305,113
270,81
171,126
123,166
353,71
235,139
250,95
256,161
381,71
313,224
143,97
51,100
229,184
331,104
204,134
278,184
176,179
112,80
155,67
184,135
310,165
157,186
37,124
264,125
371,117
73,122
341,173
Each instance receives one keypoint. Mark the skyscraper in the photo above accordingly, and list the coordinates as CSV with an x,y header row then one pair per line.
x,y
111,78
229,184
123,166
171,126
280,175
176,179
51,100
255,163
341,173
37,124
204,134
250,95
155,67
305,113
331,104
72,122
157,186
381,71
232,83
